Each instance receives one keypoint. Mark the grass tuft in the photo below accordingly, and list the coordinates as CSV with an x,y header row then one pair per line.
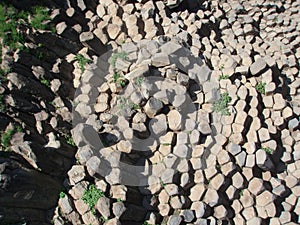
x,y
221,105
125,103
113,59
9,27
6,137
117,78
223,77
268,150
91,196
139,81
69,140
39,18
82,61
12,22
62,194
46,82
261,87
2,104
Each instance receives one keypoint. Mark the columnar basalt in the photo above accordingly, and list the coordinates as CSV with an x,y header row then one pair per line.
x,y
182,112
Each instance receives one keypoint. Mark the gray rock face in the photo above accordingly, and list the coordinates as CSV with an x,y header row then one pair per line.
x,y
160,60
76,174
174,120
257,67
103,206
118,209
89,40
86,135
152,107
293,124
200,208
158,125
65,205
210,159
211,197
188,215
84,154
263,160
174,220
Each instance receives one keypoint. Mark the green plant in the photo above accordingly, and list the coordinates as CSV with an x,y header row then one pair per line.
x,y
261,87
91,196
9,27
11,19
268,150
2,104
221,105
6,137
19,128
62,194
163,184
53,104
124,103
69,140
3,74
46,82
146,223
113,59
166,144
118,78
133,106
139,80
82,61
241,193
223,77
40,54
103,219
39,18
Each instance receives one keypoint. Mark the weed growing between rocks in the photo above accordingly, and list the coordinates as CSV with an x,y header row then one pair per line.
x,y
146,223
9,23
103,219
91,196
139,80
82,61
221,105
45,82
125,104
113,59
261,87
117,78
223,77
40,19
62,194
6,137
69,140
268,150
3,74
13,22
2,104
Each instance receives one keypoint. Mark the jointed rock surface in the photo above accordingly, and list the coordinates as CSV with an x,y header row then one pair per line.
x,y
181,112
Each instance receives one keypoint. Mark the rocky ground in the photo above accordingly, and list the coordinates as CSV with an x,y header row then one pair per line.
x,y
155,112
